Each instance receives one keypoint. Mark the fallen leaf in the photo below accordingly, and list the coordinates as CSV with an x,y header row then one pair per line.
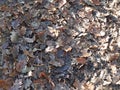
x,y
3,84
19,66
88,86
96,2
4,8
43,75
114,57
76,84
81,60
6,84
22,30
67,48
13,73
40,33
62,3
28,53
40,81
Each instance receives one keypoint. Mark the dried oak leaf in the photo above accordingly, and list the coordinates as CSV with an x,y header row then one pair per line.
x,y
81,60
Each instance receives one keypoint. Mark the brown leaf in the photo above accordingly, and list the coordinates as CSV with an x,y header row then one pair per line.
x,y
81,60
19,66
13,73
88,86
114,57
40,33
28,54
6,84
39,81
96,2
4,8
22,30
43,75
76,84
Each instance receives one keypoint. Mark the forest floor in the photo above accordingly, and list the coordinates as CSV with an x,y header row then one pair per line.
x,y
59,44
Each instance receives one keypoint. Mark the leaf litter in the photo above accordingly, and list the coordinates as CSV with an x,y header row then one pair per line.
x,y
59,45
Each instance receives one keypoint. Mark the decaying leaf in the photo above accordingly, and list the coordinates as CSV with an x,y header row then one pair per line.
x,y
19,66
28,53
114,57
44,75
13,73
22,30
5,84
96,2
81,60
4,8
